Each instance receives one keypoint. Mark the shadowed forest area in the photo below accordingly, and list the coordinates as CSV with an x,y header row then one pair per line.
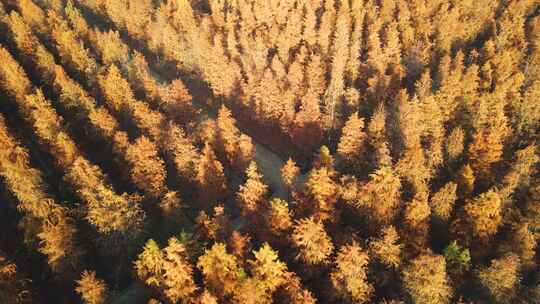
x,y
269,151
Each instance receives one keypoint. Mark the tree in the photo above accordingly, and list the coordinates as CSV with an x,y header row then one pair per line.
x,y
524,243
323,193
377,138
252,193
336,87
289,173
458,259
180,149
454,143
350,275
416,220
315,75
387,248
148,169
425,280
501,278
13,79
177,102
278,216
484,214
307,129
91,289
267,270
245,154
220,270
166,269
381,195
351,146
227,135
312,241
55,230
111,48
443,201
210,177
115,88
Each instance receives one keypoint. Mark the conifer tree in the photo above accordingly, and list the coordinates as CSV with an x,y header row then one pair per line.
x,y
323,191
501,278
180,150
307,128
425,279
279,216
176,100
220,270
312,241
289,173
252,193
227,134
267,270
484,214
210,177
351,146
91,289
377,138
416,220
387,248
350,274
381,195
443,201
454,143
148,169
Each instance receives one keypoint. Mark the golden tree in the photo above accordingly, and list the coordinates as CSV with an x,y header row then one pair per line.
x,y
267,270
454,143
377,138
289,173
443,201
416,220
278,216
220,270
148,169
501,278
227,135
91,289
166,269
425,280
176,100
312,241
210,177
180,149
12,76
349,277
334,93
387,248
351,146
484,214
323,191
112,49
315,75
252,193
307,129
55,230
381,195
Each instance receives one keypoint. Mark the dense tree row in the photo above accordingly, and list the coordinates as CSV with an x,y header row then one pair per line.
x,y
109,212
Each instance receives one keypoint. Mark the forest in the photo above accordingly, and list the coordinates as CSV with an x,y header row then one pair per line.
x,y
269,151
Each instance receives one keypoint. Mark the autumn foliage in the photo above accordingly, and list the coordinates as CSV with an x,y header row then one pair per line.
x,y
257,152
